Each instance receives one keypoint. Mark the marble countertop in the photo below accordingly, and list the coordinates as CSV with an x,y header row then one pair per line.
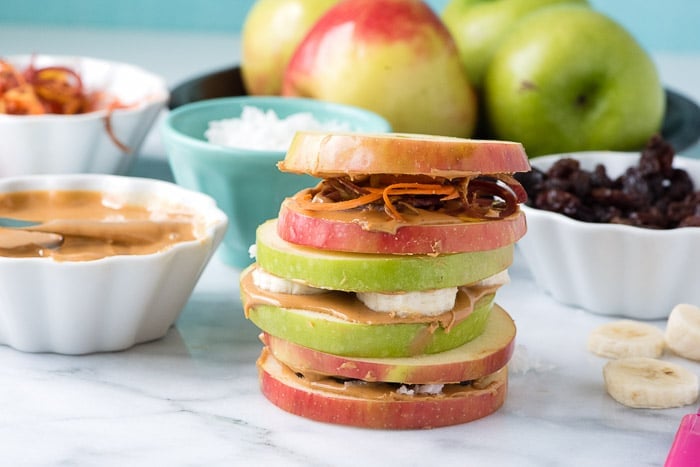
x,y
192,397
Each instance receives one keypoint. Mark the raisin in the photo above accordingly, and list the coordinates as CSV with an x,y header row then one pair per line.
x,y
651,194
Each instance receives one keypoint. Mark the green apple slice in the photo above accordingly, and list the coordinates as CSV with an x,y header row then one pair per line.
x,y
326,333
479,357
356,272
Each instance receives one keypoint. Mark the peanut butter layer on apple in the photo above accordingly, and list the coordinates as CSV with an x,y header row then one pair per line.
x,y
380,405
337,322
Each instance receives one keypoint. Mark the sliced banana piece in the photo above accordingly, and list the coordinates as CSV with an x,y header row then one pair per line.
x,y
626,338
498,279
426,303
266,281
649,383
683,331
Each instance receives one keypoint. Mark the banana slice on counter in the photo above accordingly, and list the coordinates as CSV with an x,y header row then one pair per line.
x,y
643,382
626,338
266,281
683,331
427,303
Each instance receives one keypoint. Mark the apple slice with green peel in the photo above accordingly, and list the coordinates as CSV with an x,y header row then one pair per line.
x,y
379,405
342,233
480,357
367,272
332,155
327,333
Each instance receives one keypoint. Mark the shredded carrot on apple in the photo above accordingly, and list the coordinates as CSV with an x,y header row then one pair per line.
x,y
398,189
309,204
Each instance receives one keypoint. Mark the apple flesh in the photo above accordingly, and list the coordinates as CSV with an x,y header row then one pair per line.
x,y
271,33
387,410
482,356
479,27
394,57
571,79
323,332
342,233
366,272
333,155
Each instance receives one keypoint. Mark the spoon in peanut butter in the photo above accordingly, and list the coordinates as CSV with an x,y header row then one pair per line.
x,y
13,239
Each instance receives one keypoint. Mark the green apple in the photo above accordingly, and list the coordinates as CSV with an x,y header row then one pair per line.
x,y
394,57
568,78
325,333
479,26
271,32
479,357
378,405
366,272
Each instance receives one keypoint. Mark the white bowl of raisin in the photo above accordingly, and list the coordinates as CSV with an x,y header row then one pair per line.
x,y
615,233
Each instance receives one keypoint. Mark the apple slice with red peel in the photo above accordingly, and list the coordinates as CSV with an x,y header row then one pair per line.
x,y
339,154
326,333
379,405
341,232
482,356
365,272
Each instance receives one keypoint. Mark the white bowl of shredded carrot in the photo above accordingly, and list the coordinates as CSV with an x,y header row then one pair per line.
x,y
67,114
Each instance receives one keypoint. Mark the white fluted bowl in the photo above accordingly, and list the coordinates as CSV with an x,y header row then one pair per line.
x,y
109,304
611,269
60,144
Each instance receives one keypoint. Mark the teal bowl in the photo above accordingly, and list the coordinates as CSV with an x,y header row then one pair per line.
x,y
245,183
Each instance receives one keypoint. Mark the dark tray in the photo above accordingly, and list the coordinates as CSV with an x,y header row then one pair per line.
x,y
681,126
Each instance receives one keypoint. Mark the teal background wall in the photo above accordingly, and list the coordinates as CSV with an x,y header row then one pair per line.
x,y
660,25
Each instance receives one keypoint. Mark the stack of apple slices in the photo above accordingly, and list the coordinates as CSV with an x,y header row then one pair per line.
x,y
375,290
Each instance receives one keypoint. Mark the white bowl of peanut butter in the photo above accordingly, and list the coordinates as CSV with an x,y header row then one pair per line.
x,y
111,263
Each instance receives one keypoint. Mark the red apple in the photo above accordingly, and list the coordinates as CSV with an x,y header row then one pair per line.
x,y
395,57
484,355
331,155
342,232
377,405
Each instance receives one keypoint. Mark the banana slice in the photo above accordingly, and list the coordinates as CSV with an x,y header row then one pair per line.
x,y
683,331
626,338
266,281
426,303
649,383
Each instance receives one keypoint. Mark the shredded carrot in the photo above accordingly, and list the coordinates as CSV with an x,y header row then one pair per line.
x,y
398,189
310,205
52,90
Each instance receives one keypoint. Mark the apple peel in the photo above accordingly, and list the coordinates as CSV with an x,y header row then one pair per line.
x,y
389,410
341,233
358,272
479,357
331,155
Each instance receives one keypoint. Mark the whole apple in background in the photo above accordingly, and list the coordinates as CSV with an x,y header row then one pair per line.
x,y
568,78
271,32
479,26
395,57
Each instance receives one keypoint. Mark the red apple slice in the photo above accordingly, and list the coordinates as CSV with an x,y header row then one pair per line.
x,y
341,232
331,155
482,356
379,405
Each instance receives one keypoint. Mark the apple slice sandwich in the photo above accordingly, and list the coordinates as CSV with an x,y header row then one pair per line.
x,y
375,290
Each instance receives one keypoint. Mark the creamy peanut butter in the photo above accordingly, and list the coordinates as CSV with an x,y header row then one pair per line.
x,y
379,390
345,305
92,225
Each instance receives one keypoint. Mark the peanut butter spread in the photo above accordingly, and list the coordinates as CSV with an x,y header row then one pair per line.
x,y
90,225
378,390
345,305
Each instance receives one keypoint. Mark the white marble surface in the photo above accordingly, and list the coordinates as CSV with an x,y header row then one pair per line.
x,y
192,398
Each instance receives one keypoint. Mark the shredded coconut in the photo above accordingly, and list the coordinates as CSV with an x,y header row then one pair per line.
x,y
420,389
264,130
